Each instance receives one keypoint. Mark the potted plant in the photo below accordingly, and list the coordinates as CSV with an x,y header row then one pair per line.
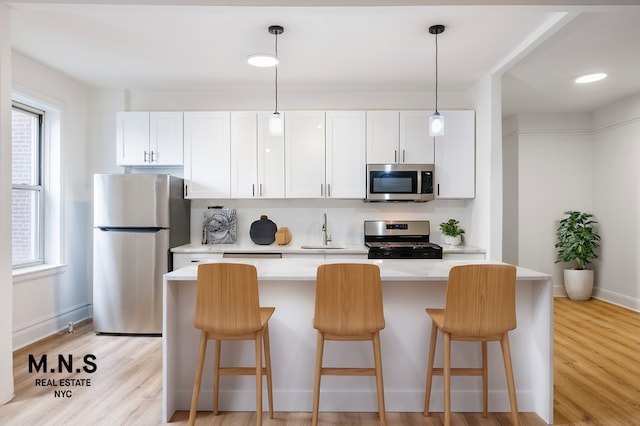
x,y
451,232
578,240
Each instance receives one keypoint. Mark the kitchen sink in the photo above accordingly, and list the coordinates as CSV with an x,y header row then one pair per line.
x,y
321,247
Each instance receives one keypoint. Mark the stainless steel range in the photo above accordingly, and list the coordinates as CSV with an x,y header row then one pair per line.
x,y
394,239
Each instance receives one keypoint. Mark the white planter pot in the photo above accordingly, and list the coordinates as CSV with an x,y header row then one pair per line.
x,y
453,241
578,283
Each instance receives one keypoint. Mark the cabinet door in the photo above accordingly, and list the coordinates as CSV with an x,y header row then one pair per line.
x,y
416,146
166,139
304,146
132,138
207,152
270,160
382,137
455,156
244,158
345,154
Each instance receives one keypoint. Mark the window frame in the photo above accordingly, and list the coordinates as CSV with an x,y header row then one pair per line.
x,y
38,187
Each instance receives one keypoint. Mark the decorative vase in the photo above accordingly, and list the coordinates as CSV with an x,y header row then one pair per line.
x,y
578,283
453,241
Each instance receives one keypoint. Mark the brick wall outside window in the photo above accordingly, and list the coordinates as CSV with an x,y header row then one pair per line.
x,y
25,170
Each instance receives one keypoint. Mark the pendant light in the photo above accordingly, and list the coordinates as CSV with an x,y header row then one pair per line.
x,y
275,122
436,121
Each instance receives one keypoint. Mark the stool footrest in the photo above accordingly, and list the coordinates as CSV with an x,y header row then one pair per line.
x,y
240,371
459,372
347,371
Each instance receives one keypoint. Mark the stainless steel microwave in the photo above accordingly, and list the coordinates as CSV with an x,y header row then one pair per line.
x,y
400,182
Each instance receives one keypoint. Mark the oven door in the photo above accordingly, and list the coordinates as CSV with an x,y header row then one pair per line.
x,y
394,182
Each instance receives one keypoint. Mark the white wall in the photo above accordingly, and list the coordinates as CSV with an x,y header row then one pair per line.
x,y
6,287
45,302
553,173
616,200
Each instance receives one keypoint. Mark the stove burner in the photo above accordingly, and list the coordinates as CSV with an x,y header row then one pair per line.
x,y
389,240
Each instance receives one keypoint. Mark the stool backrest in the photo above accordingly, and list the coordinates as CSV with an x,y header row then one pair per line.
x,y
227,298
348,299
480,300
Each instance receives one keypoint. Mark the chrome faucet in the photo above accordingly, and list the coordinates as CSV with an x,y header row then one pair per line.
x,y
326,238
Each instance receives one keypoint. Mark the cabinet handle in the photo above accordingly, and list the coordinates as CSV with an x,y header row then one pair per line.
x,y
321,190
403,160
253,190
328,190
395,155
186,191
145,156
260,192
151,157
438,189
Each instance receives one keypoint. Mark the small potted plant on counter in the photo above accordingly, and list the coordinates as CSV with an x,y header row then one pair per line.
x,y
451,232
578,240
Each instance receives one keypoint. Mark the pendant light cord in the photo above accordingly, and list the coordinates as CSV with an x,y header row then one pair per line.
x,y
436,72
276,72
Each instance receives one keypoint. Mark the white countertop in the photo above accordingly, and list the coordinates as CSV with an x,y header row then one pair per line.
x,y
196,248
300,269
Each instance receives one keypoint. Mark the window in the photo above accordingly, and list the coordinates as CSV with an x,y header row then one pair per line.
x,y
28,193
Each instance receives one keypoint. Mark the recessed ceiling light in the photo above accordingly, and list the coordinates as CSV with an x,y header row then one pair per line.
x,y
590,78
262,60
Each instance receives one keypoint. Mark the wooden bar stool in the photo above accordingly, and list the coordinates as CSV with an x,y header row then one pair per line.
x,y
348,306
227,308
480,306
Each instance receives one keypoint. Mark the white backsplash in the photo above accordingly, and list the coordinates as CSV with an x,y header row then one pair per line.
x,y
345,218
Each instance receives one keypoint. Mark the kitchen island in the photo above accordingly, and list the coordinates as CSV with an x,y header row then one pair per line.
x,y
408,287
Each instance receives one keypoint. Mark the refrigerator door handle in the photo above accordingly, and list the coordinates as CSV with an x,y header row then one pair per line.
x,y
130,229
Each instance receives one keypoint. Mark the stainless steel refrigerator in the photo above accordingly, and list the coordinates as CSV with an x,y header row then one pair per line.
x,y
137,220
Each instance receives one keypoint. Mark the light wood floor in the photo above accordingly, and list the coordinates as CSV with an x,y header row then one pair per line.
x,y
597,380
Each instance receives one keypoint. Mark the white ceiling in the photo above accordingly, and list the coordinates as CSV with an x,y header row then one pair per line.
x,y
203,46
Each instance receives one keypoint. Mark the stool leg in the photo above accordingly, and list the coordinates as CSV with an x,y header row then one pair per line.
x,y
506,355
377,356
485,382
258,340
267,360
447,379
316,383
197,382
432,354
216,376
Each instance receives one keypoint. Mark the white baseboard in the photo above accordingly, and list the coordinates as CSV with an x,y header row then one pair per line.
x,y
606,296
617,299
49,326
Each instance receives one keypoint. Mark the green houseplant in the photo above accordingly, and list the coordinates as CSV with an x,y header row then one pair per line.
x,y
451,232
577,242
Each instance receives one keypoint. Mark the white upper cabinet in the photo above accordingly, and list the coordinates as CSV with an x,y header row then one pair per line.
x,y
207,154
345,154
149,138
383,133
416,146
399,137
304,133
271,170
455,156
257,158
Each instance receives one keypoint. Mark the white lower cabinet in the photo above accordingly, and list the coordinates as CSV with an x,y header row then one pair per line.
x,y
180,260
463,256
207,154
